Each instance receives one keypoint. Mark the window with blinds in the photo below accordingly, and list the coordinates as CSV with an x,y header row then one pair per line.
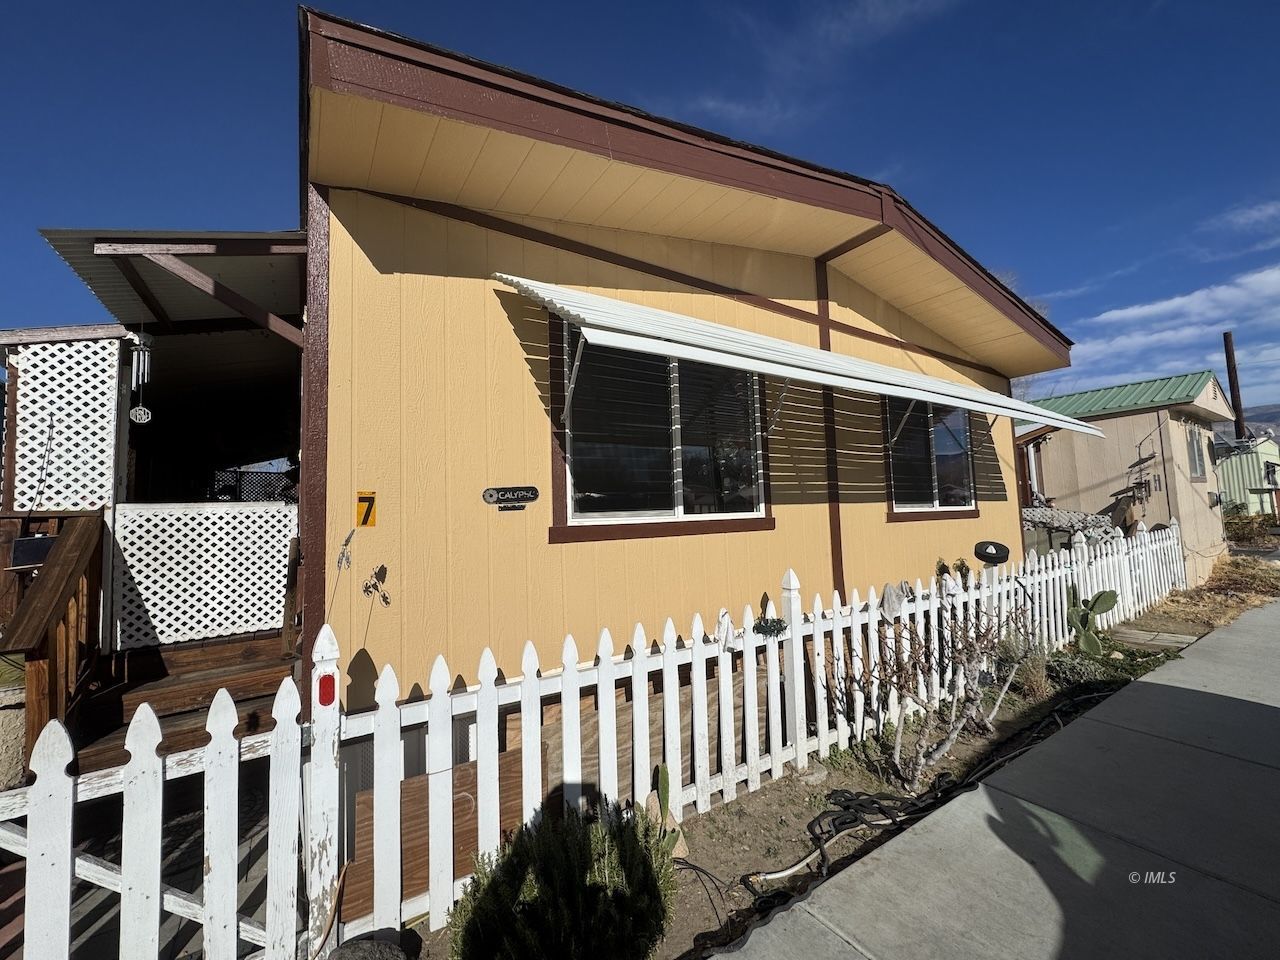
x,y
930,455
654,438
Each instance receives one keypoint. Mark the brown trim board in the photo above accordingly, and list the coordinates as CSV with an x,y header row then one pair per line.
x,y
522,231
315,430
830,439
347,57
647,530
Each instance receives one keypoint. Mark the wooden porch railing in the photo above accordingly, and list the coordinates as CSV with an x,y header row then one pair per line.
x,y
55,623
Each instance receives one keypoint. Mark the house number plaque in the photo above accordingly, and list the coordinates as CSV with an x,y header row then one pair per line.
x,y
510,498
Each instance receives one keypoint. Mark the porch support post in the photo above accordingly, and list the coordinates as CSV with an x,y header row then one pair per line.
x,y
226,296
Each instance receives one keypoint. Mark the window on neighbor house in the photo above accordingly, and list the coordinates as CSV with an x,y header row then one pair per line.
x,y
930,461
1195,451
652,438
1269,474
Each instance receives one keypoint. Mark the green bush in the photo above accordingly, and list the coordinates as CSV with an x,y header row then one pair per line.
x,y
566,887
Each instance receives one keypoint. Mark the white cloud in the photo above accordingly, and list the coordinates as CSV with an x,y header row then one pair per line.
x,y
1254,217
1249,296
796,59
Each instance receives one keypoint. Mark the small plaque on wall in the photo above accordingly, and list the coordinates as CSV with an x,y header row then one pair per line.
x,y
510,498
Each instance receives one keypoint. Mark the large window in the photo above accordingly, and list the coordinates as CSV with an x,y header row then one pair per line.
x,y
930,461
653,438
1195,451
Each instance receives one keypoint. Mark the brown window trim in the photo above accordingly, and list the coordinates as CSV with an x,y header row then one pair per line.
x,y
1203,478
905,516
643,530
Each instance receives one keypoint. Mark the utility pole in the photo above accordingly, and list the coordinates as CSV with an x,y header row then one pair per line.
x,y
1233,381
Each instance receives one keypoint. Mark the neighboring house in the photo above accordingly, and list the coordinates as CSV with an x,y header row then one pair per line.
x,y
1154,463
711,362
1247,470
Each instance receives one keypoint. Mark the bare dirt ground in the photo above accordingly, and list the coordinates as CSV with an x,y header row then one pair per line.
x,y
1237,584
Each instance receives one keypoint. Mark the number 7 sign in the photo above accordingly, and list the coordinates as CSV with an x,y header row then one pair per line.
x,y
366,508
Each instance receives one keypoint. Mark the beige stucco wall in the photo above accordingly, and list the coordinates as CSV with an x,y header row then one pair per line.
x,y
1082,472
438,389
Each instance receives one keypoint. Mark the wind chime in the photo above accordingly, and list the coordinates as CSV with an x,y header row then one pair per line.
x,y
141,375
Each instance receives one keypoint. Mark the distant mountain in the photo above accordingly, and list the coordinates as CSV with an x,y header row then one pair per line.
x,y
1258,419
1264,417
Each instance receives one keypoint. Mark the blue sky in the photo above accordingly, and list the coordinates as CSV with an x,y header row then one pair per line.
x,y
1118,159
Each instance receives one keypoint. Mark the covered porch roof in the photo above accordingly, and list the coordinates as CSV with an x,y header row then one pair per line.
x,y
165,282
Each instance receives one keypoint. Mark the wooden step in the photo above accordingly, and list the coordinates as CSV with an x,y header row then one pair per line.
x,y
181,692
152,663
182,731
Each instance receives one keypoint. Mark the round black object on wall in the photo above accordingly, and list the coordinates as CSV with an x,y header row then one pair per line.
x,y
990,551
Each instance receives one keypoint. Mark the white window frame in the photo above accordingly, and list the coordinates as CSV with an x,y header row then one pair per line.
x,y
677,513
935,507
1195,440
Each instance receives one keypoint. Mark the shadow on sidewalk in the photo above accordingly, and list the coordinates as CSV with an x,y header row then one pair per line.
x,y
1152,822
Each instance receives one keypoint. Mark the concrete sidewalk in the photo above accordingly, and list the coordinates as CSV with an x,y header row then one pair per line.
x,y
1150,827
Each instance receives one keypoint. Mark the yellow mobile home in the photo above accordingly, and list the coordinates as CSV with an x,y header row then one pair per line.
x,y
570,366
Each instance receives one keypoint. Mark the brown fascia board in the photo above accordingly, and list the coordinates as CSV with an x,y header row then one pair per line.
x,y
347,57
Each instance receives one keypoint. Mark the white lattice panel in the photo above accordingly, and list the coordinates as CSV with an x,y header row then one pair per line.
x,y
66,415
195,571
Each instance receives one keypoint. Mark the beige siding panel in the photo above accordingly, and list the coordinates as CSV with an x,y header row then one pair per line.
x,y
438,389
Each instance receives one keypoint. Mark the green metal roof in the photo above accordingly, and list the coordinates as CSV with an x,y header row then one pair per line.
x,y
1163,392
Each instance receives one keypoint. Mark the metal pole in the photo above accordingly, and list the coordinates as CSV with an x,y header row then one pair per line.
x,y
1233,381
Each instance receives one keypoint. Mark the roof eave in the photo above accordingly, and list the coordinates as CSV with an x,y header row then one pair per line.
x,y
786,176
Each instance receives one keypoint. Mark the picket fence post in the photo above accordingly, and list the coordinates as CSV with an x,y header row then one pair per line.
x,y
439,796
488,830
820,677
698,701
283,807
50,857
750,700
606,718
322,792
840,673
221,829
140,837
671,735
793,660
724,688
571,725
641,762
773,694
530,734
388,773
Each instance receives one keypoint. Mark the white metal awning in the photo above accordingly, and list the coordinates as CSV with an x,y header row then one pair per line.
x,y
627,326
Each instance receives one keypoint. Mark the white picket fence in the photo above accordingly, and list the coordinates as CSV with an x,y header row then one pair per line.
x,y
778,699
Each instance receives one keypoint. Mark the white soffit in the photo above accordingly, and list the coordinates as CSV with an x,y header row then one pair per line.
x,y
628,326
